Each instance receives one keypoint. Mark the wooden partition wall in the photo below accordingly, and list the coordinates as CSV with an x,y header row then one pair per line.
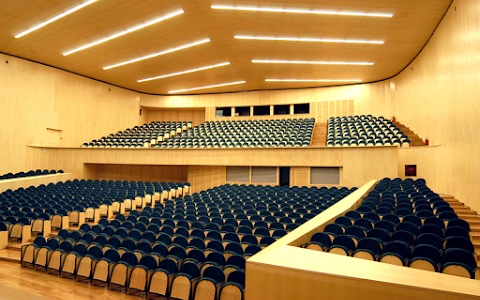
x,y
25,182
207,167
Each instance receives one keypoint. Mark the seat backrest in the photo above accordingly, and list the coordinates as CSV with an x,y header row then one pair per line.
x,y
237,277
190,268
215,273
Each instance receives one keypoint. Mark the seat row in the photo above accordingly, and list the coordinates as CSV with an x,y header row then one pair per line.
x,y
246,134
29,174
141,136
363,131
162,272
36,210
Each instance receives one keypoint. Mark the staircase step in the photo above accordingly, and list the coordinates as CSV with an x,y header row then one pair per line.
x,y
319,135
415,140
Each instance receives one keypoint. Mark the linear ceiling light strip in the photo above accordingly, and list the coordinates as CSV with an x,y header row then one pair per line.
x,y
273,61
185,72
55,18
158,54
302,11
313,80
206,87
165,17
293,39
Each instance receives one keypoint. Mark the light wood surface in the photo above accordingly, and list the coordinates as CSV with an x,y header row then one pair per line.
x,y
404,35
25,182
441,87
309,274
358,165
22,282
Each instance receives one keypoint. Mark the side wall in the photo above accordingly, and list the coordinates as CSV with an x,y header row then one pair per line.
x,y
437,97
47,107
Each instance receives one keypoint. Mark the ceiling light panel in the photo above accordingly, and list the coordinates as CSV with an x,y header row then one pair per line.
x,y
185,72
206,87
294,39
303,11
72,10
313,80
266,61
158,54
135,28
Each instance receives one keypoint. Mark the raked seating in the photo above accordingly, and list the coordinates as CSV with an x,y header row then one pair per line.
x,y
364,131
403,222
143,136
193,245
245,134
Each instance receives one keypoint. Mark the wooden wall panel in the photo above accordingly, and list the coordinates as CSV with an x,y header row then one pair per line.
x,y
441,87
358,165
334,108
196,116
374,99
365,164
206,177
139,172
299,176
25,182
35,97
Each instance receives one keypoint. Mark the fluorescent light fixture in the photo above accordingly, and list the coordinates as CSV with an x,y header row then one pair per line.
x,y
165,17
206,87
185,72
55,18
313,80
302,11
272,61
293,39
158,54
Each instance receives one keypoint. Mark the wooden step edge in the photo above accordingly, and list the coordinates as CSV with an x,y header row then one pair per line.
x,y
467,216
13,248
472,218
11,260
464,209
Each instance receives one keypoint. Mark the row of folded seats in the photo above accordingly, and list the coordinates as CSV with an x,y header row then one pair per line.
x,y
188,248
430,237
245,134
144,136
30,173
77,201
364,130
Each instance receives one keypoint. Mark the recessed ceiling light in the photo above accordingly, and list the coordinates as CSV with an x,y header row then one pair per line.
x,y
185,72
293,39
165,17
302,11
55,18
313,80
206,87
158,54
272,61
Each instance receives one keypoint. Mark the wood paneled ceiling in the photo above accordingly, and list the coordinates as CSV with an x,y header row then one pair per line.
x,y
404,36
